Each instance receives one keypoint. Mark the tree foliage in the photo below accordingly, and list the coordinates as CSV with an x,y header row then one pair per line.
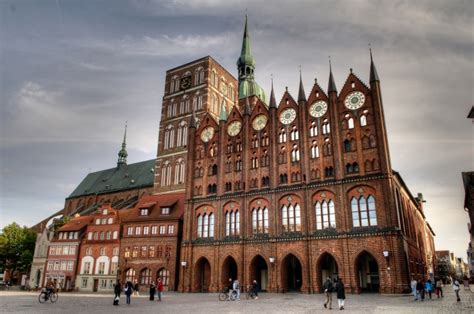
x,y
17,246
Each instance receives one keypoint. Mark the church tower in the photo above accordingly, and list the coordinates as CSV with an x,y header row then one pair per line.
x,y
200,86
122,155
246,67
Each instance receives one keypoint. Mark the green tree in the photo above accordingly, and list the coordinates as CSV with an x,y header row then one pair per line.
x,y
17,246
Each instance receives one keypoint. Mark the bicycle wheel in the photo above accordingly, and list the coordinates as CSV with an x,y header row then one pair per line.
x,y
42,297
222,296
54,297
233,295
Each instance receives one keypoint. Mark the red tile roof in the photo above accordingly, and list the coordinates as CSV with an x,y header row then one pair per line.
x,y
76,224
154,202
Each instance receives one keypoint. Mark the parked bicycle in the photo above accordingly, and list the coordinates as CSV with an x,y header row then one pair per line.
x,y
48,294
224,295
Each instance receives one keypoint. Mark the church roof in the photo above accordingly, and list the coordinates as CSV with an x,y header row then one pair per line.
x,y
132,176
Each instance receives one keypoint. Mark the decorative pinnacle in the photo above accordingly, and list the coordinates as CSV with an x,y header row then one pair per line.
x,y
301,94
331,84
373,71
272,96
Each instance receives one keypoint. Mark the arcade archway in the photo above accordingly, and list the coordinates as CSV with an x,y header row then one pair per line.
x,y
291,273
229,270
202,275
259,272
327,268
367,270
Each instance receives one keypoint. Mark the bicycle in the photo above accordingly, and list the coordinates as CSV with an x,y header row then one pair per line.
x,y
224,295
46,295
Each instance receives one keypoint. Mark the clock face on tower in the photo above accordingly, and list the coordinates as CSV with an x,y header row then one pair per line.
x,y
259,122
207,134
354,100
185,82
234,128
318,109
288,116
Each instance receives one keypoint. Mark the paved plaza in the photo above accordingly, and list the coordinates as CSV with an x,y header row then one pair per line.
x,y
27,302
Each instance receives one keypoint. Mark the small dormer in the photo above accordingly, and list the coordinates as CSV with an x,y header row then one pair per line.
x,y
144,211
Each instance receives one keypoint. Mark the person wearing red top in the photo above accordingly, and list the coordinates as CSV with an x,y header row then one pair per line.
x,y
159,287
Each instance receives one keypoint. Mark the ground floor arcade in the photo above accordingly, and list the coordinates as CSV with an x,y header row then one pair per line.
x,y
365,264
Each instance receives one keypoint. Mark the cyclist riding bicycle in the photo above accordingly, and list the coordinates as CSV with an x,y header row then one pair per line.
x,y
230,289
49,288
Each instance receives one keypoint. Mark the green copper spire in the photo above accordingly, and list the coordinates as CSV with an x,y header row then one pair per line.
x,y
122,160
246,67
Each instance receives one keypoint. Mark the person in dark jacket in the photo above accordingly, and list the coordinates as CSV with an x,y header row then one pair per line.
x,y
420,288
128,291
117,291
341,294
328,289
152,291
255,289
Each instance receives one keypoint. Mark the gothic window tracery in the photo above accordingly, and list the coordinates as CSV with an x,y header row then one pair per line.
x,y
325,214
363,211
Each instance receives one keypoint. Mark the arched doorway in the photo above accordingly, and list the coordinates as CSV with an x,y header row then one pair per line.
x,y
368,273
327,268
38,278
291,273
202,275
259,272
229,270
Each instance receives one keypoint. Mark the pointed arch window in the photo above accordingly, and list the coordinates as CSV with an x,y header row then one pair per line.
x,y
325,214
179,171
326,126
363,120
260,220
363,211
295,154
232,223
350,123
291,217
282,136
294,134
314,150
313,129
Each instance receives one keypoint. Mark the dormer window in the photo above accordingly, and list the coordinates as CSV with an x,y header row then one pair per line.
x,y
144,212
105,212
165,210
97,221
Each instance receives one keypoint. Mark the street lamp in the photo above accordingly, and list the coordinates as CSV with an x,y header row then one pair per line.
x,y
183,264
386,254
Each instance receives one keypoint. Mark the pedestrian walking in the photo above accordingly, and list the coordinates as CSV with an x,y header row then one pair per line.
x,y
429,287
136,289
117,291
420,289
341,294
128,291
413,289
439,288
328,289
159,286
255,289
456,289
152,291
236,288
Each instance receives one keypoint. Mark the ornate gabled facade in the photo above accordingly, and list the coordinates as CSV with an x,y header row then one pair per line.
x,y
291,194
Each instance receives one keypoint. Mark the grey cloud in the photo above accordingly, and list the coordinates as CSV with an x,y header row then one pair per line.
x,y
92,65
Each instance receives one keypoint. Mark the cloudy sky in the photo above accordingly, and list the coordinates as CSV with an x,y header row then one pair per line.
x,y
72,73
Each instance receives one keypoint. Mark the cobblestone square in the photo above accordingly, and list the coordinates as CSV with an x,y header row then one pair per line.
x,y
27,302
